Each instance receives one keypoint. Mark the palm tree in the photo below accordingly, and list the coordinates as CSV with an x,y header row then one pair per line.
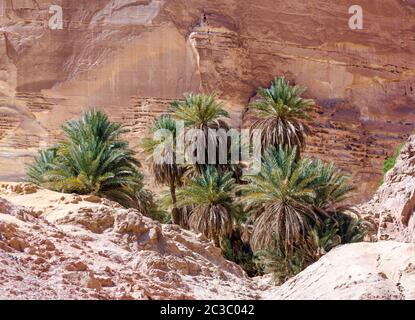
x,y
290,196
281,196
281,111
333,188
204,112
199,111
91,159
211,196
162,153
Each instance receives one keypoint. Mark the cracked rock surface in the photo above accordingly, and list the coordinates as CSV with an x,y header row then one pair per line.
x,y
393,205
55,246
65,247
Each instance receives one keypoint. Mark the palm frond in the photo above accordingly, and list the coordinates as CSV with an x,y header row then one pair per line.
x,y
91,159
199,110
210,196
289,196
282,112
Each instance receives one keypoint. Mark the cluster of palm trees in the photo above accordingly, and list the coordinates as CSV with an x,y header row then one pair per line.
x,y
92,159
291,200
292,209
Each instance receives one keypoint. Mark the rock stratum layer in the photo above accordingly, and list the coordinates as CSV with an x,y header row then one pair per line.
x,y
59,246
131,58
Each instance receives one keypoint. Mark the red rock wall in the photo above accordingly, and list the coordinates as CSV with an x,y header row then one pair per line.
x,y
131,58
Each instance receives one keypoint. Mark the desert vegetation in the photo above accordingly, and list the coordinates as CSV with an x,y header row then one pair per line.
x,y
279,220
92,159
281,111
391,161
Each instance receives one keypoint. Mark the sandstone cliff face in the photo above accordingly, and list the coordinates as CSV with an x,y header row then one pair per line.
x,y
131,58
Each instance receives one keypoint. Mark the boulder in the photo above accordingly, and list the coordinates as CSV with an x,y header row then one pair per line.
x,y
361,271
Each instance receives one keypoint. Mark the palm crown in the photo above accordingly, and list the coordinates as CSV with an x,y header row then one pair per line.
x,y
211,195
199,111
288,195
162,151
91,159
282,111
204,112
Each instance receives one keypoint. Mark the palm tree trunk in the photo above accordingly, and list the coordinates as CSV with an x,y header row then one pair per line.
x,y
175,213
216,240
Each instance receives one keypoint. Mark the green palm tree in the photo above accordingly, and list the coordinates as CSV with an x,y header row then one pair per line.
x,y
36,173
290,196
282,112
333,188
162,153
200,111
210,195
94,125
204,112
281,195
91,159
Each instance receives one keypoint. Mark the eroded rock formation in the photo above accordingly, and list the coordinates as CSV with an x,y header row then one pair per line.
x,y
60,246
65,247
393,205
131,58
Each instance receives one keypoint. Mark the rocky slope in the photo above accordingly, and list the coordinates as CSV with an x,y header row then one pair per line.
x,y
362,271
67,247
131,58
59,246
393,205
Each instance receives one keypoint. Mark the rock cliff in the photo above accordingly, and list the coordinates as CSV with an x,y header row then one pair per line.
x,y
131,58
393,205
